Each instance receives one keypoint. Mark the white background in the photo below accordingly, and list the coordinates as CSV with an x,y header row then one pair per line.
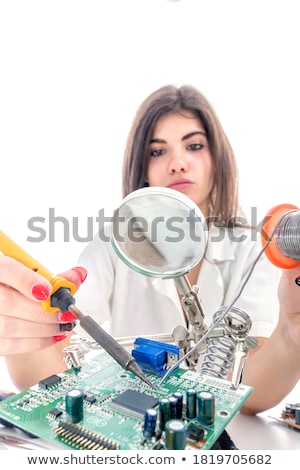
x,y
72,74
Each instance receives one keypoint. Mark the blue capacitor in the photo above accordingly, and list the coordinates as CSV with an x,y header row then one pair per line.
x,y
150,422
175,435
205,408
74,405
191,407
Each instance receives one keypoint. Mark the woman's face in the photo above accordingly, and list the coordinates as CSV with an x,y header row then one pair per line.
x,y
180,158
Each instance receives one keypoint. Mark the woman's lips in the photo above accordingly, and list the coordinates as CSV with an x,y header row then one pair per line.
x,y
178,185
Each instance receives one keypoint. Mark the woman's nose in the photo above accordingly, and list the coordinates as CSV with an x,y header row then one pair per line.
x,y
178,162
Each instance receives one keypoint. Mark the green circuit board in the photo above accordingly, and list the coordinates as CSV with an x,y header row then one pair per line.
x,y
113,413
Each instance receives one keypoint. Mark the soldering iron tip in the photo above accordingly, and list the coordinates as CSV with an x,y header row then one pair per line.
x,y
135,369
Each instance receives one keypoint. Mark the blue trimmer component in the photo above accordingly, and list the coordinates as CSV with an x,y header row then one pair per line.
x,y
154,356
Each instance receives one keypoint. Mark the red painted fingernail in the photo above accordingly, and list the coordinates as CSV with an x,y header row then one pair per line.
x,y
81,271
40,292
58,338
66,316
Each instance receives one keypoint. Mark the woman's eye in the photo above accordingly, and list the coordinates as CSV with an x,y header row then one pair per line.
x,y
195,146
156,153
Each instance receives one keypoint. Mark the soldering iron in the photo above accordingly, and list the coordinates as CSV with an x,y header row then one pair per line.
x,y
62,298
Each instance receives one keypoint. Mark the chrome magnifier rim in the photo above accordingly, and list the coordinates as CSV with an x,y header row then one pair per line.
x,y
141,205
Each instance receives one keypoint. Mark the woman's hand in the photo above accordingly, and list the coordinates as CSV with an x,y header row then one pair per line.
x,y
24,326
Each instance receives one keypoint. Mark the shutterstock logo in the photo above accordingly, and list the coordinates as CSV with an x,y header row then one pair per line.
x,y
72,228
137,229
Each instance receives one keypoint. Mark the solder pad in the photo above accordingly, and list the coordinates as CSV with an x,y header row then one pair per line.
x,y
112,416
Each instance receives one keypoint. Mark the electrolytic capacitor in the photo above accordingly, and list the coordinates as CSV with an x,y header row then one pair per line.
x,y
164,412
191,407
173,407
150,422
205,407
179,396
175,435
74,405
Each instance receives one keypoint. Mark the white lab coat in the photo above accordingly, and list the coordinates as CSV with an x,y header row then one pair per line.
x,y
137,305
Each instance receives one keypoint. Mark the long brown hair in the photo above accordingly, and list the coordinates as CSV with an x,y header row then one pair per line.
x,y
223,200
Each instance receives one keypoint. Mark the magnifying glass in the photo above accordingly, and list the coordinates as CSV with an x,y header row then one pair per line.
x,y
159,232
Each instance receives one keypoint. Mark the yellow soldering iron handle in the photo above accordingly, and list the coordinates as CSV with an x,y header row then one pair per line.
x,y
9,248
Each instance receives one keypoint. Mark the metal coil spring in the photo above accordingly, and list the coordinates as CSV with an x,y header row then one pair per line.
x,y
287,236
219,355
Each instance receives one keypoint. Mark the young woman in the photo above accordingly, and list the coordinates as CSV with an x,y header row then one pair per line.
x,y
176,141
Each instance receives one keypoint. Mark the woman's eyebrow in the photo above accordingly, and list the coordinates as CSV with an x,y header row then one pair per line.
x,y
185,137
191,134
159,141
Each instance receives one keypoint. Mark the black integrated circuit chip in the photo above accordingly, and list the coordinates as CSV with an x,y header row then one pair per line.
x,y
134,403
55,413
89,400
49,381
